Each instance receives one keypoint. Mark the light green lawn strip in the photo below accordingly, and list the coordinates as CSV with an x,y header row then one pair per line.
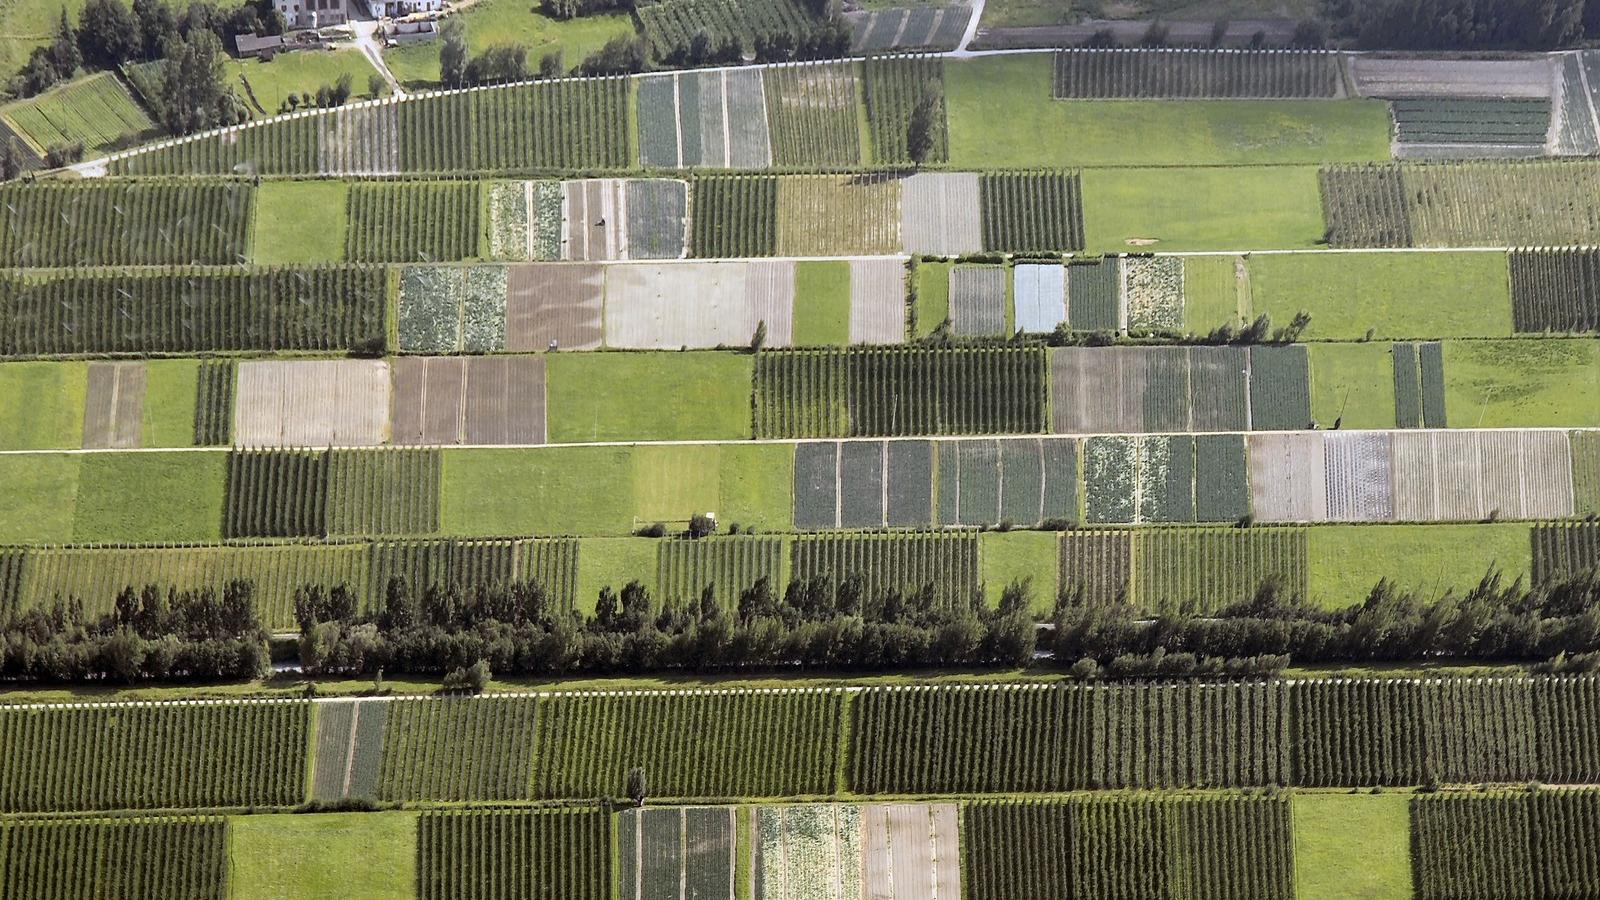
x,y
1347,560
491,22
933,296
822,304
37,495
41,405
673,483
1352,846
299,222
1210,293
1399,296
648,396
140,497
546,491
1263,208
613,562
757,486
1353,381
1002,116
1004,557
302,72
339,856
1522,383
169,402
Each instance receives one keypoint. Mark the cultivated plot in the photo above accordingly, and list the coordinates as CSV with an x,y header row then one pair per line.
x,y
939,214
863,484
617,218
877,301
1140,389
837,215
716,120
554,306
1406,78
676,305
1040,297
311,403
113,406
1024,481
481,400
978,300
359,140
349,749
677,853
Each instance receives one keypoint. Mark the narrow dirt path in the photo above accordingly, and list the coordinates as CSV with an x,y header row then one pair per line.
x,y
366,39
972,29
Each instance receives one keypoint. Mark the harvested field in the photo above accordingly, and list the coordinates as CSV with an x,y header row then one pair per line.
x,y
113,408
359,140
677,305
877,301
1579,134
1360,488
939,214
615,218
554,304
904,562
729,565
978,300
1280,388
1288,480
1555,289
1398,78
1040,297
484,400
811,114
837,215
1469,475
735,216
909,851
1094,295
1139,389
1365,206
1031,212
1195,74
311,403
1096,566
1196,571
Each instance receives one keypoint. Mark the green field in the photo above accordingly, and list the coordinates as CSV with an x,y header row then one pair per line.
x,y
360,856
149,497
933,296
1352,384
822,303
1392,295
511,22
1352,847
41,405
1522,383
269,84
1201,209
1004,557
41,491
299,222
1347,560
1002,116
169,396
613,562
96,111
1210,292
668,396
553,491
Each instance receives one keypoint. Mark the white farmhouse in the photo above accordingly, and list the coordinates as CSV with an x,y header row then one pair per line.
x,y
311,13
394,9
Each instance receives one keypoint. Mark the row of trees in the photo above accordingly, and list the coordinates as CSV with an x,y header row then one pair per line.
x,y
1492,621
150,634
1464,24
515,629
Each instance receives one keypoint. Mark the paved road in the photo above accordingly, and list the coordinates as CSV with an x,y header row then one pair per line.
x,y
366,38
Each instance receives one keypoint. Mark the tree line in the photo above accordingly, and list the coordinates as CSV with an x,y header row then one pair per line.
x,y
1494,620
514,629
150,634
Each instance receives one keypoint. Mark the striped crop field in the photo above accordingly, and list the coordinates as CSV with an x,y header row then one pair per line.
x,y
685,568
506,854
877,564
1194,74
123,223
128,858
1534,843
413,222
458,750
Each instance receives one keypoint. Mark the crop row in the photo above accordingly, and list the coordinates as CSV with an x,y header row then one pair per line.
x,y
125,858
726,744
114,223
1533,844
513,854
1194,74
